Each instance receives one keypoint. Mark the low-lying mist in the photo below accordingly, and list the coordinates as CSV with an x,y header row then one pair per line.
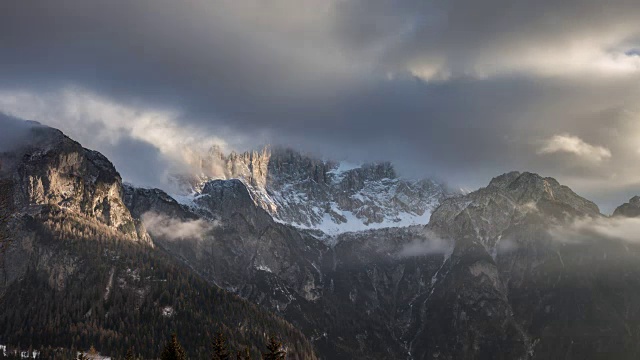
x,y
175,229
593,229
428,244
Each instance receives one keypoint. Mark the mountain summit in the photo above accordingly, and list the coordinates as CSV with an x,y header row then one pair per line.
x,y
310,193
49,174
629,209
487,213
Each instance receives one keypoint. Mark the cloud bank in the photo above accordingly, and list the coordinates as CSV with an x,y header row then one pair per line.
x,y
589,229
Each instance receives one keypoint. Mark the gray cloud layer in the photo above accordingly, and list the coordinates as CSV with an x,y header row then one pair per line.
x,y
459,89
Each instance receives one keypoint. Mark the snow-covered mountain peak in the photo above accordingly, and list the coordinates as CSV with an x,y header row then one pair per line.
x,y
310,193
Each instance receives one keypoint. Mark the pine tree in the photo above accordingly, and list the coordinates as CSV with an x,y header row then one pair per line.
x,y
129,355
5,213
220,348
243,355
173,350
274,350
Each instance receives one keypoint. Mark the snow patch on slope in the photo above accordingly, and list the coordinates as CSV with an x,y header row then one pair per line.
x,y
330,227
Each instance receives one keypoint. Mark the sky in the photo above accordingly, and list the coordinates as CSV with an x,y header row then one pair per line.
x,y
459,90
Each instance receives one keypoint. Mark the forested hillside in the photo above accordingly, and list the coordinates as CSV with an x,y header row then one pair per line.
x,y
122,295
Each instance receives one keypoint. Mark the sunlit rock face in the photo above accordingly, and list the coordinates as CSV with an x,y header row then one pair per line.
x,y
309,193
53,170
52,182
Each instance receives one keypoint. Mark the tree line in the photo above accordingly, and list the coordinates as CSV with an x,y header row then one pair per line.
x,y
173,350
60,317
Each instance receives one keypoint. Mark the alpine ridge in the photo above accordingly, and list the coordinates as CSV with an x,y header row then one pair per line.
x,y
78,270
309,193
464,286
514,270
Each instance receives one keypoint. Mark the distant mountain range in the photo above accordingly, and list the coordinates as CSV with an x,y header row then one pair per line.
x,y
339,260
309,193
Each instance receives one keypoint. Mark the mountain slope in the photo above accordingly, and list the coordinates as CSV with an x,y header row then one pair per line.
x,y
77,269
120,296
49,177
282,269
520,285
496,274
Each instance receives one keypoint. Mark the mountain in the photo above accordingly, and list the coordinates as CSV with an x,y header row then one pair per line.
x,y
497,273
51,172
629,209
54,181
309,193
278,267
523,268
77,269
523,282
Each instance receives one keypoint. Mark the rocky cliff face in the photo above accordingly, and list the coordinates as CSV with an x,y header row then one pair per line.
x,y
73,259
52,180
242,240
52,170
311,193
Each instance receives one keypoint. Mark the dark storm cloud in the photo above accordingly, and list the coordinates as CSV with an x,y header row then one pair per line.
x,y
448,88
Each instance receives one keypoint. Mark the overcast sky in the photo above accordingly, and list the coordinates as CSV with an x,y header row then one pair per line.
x,y
462,90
